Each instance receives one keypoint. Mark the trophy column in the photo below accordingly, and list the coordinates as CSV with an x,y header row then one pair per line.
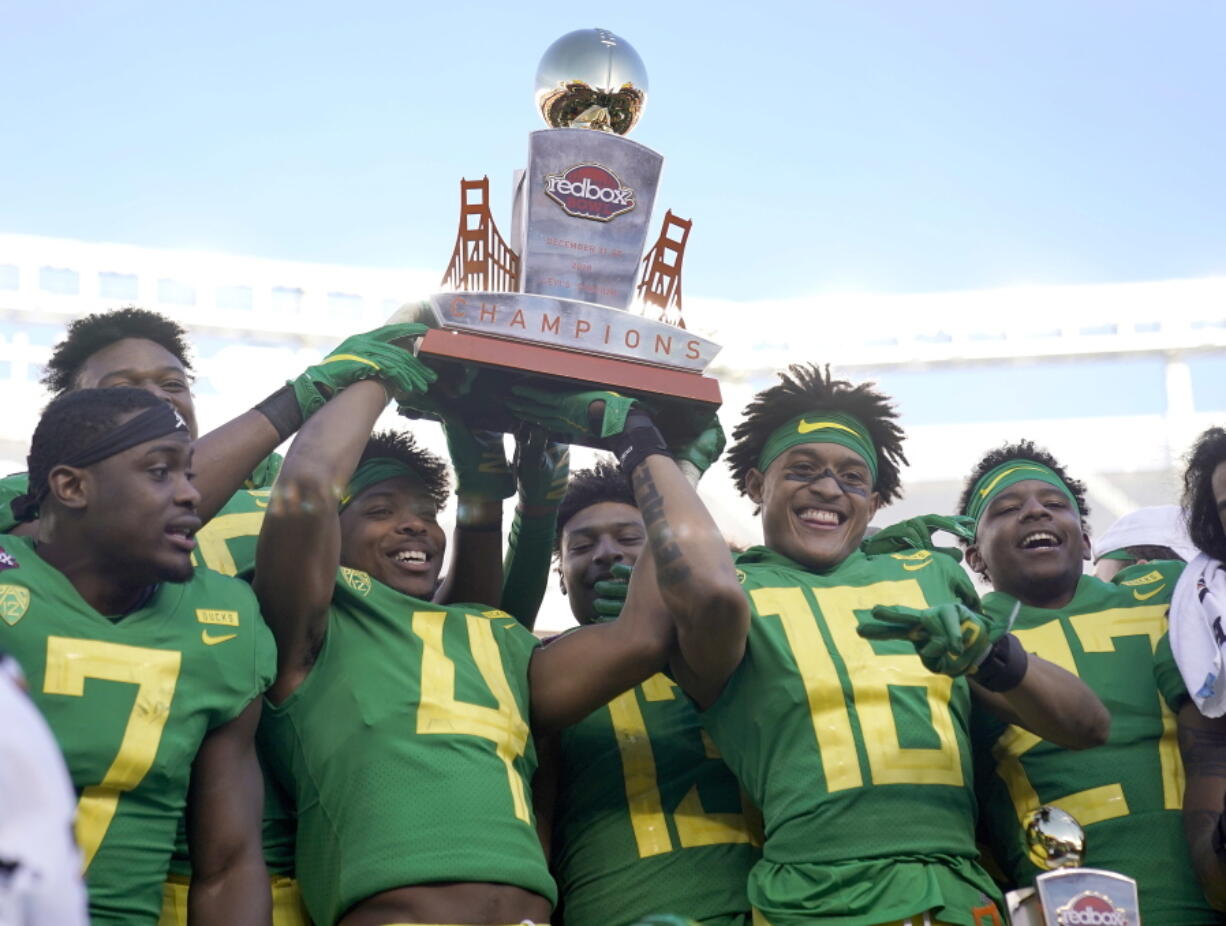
x,y
582,210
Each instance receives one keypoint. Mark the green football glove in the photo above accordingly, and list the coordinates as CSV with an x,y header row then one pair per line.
x,y
611,593
951,639
371,355
479,460
703,450
916,534
542,469
566,413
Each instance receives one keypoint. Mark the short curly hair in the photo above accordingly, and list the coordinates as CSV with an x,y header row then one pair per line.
x,y
1023,450
604,482
402,446
86,336
1199,504
806,388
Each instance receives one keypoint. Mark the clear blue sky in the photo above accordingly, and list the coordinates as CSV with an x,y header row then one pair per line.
x,y
872,145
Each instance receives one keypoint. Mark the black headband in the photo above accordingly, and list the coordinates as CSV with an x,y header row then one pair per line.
x,y
150,424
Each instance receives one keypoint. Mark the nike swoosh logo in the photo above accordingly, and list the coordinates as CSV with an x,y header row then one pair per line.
x,y
806,426
1136,593
210,640
918,566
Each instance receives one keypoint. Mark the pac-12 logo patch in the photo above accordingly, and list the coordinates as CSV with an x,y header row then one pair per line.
x,y
356,579
1092,909
589,191
14,602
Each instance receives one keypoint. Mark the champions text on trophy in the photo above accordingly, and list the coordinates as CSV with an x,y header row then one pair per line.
x,y
555,305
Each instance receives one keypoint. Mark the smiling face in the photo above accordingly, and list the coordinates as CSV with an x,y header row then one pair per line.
x,y
816,502
391,531
141,364
140,511
1031,543
593,541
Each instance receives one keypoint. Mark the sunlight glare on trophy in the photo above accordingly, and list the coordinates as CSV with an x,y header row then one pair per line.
x,y
591,78
1054,838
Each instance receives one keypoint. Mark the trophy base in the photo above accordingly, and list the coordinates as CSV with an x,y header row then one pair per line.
x,y
475,370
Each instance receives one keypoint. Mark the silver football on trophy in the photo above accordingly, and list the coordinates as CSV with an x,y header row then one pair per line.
x,y
591,78
1054,838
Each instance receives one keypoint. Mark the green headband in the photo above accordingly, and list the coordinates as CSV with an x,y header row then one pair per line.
x,y
376,469
1123,555
1009,473
820,427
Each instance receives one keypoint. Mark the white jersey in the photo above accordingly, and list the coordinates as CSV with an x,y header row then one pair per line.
x,y
40,868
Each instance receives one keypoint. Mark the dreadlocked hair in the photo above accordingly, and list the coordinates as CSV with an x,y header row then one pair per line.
x,y
1023,450
604,482
806,388
74,421
86,336
1199,504
402,446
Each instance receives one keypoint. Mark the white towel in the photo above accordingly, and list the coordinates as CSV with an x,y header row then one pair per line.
x,y
1198,637
1156,526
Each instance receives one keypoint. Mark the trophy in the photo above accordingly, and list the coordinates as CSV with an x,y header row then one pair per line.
x,y
553,308
1066,894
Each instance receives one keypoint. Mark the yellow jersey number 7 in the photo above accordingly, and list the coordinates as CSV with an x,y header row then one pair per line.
x,y
155,673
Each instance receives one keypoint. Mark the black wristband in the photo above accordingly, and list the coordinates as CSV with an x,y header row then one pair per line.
x,y
638,440
1005,665
1218,839
282,411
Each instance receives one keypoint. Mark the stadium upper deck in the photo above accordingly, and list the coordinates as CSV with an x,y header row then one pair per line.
x,y
1116,379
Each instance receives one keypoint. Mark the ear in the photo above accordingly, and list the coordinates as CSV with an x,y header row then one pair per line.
x,y
754,481
561,577
874,505
1085,546
70,486
974,559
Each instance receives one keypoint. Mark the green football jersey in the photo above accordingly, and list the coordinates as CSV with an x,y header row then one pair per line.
x,y
648,817
10,488
407,750
130,701
226,544
1127,794
858,756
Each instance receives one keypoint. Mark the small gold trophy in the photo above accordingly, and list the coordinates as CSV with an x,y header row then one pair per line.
x,y
1067,894
553,307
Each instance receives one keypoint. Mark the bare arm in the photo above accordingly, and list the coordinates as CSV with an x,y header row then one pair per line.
x,y
224,810
226,456
1052,703
1202,742
697,580
300,541
587,668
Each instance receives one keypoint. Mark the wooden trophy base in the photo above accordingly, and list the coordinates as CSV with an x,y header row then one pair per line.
x,y
476,371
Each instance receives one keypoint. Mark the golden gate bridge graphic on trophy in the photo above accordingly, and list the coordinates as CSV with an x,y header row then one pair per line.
x,y
483,261
553,303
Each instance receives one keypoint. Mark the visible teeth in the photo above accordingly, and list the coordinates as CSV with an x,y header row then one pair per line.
x,y
411,556
1040,539
819,516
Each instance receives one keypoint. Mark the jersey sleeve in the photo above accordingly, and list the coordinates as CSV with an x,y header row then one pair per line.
x,y
10,488
1167,675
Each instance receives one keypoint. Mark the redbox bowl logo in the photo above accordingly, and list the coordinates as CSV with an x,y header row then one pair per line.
x,y
589,191
1091,909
